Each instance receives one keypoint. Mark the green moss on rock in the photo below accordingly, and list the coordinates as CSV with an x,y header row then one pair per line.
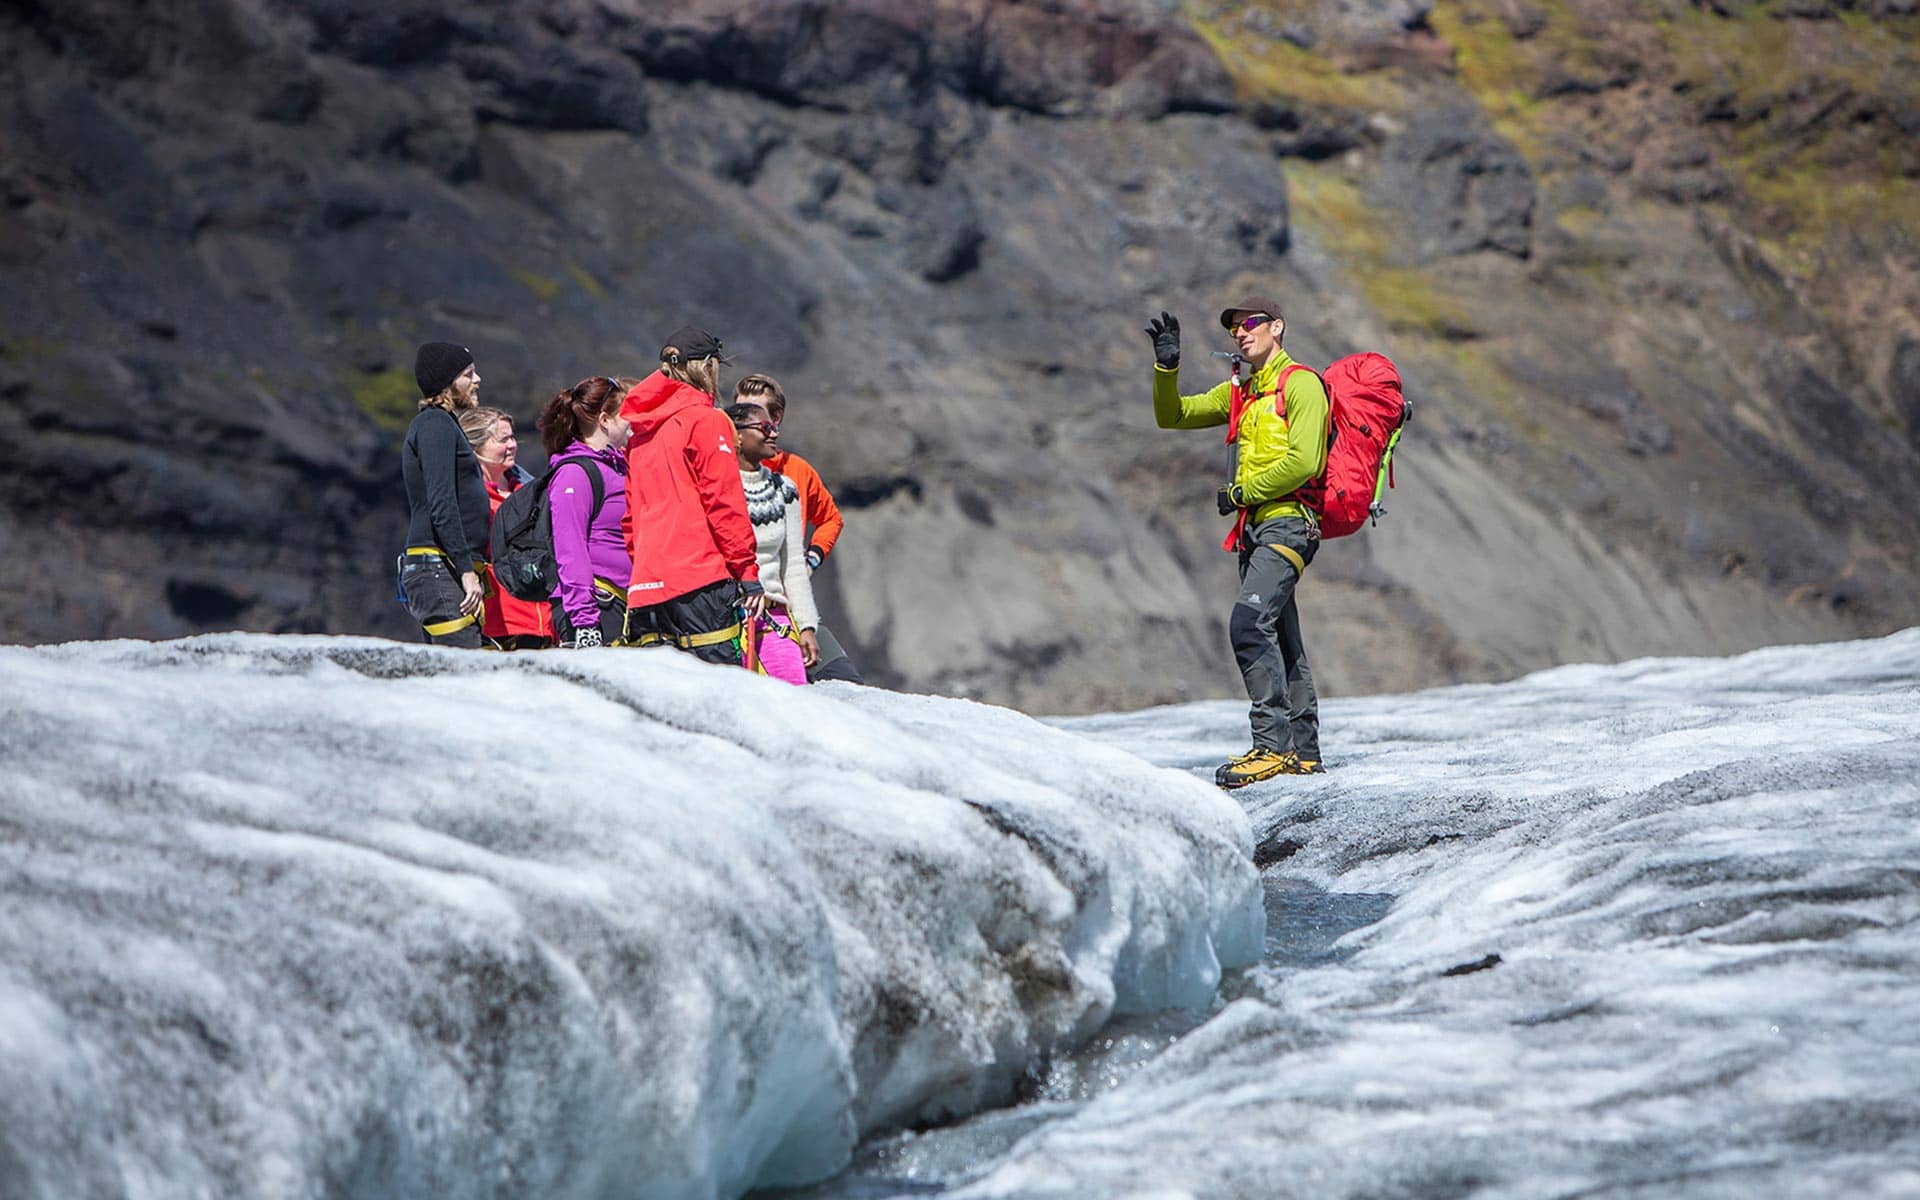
x,y
1267,69
1408,299
545,287
1807,102
1514,78
24,348
389,398
587,283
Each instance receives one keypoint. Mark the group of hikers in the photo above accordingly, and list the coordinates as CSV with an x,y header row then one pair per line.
x,y
672,521
676,522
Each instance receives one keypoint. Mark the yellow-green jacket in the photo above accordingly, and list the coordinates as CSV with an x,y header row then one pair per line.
x,y
1275,455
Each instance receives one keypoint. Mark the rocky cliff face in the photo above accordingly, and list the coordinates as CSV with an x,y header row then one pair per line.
x,y
1649,268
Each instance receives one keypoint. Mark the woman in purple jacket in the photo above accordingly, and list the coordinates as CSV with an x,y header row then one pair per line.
x,y
583,431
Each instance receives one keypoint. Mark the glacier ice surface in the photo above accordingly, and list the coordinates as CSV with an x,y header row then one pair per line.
x,y
292,916
1691,888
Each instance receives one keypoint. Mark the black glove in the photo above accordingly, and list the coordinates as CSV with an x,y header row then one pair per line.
x,y
586,639
815,556
751,587
1229,498
1165,333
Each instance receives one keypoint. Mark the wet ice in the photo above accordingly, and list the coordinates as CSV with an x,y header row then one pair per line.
x,y
1699,880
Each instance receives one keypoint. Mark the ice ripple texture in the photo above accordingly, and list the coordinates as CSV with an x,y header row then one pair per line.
x,y
1655,933
290,917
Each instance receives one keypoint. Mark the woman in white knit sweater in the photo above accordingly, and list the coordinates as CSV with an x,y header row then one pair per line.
x,y
786,638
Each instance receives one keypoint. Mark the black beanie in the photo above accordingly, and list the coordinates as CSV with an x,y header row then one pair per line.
x,y
438,364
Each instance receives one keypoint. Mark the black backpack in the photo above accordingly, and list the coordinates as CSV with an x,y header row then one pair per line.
x,y
522,538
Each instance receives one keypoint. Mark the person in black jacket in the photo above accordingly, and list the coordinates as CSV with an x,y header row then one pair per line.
x,y
447,533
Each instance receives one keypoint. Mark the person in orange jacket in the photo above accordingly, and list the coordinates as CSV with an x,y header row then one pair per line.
x,y
820,513
695,570
507,622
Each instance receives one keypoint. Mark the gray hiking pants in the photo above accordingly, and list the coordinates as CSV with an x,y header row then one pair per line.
x,y
1265,629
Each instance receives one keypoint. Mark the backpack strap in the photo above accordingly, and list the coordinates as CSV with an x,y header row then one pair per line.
x,y
588,465
1241,397
1280,387
1280,406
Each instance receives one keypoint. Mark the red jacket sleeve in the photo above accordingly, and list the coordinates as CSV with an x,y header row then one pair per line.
x,y
716,473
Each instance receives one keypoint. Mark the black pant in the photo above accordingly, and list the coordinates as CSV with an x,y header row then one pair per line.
x,y
433,597
1265,627
834,663
612,620
706,610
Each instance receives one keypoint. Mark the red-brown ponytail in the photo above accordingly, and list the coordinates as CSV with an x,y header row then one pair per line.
x,y
572,414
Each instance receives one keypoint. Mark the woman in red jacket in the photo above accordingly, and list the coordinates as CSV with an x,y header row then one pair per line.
x,y
509,623
694,570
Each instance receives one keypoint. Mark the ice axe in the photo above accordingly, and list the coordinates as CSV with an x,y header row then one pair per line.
x,y
1239,360
1238,395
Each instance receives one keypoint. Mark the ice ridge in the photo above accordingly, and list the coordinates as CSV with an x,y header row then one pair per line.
x,y
330,916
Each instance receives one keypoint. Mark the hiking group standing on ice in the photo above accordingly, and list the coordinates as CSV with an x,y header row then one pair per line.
x,y
664,519
639,534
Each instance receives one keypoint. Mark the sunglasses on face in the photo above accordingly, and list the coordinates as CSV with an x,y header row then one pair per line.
x,y
1254,322
766,428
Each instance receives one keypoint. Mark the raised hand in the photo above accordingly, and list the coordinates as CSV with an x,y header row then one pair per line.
x,y
1165,333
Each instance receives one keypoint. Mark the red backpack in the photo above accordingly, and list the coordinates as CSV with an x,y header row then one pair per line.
x,y
1367,413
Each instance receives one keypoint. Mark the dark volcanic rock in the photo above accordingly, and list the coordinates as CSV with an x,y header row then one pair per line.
x,y
946,234
1603,391
394,33
879,54
1307,131
1904,384
1679,165
225,224
563,88
1464,188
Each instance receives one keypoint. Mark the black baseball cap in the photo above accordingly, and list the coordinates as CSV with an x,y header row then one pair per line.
x,y
1256,305
691,344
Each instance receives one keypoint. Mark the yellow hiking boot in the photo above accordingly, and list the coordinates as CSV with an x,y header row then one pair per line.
x,y
1253,766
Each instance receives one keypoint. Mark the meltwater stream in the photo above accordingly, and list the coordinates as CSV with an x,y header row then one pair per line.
x,y
1305,925
1650,930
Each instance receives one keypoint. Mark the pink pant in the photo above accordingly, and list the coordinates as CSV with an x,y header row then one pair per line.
x,y
780,655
